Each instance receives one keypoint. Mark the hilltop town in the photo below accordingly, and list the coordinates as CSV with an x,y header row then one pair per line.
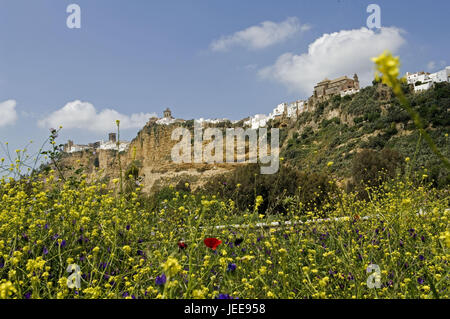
x,y
283,112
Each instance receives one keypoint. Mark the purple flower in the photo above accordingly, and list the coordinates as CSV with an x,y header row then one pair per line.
x,y
420,280
231,267
224,296
63,243
161,280
128,227
421,257
27,295
45,251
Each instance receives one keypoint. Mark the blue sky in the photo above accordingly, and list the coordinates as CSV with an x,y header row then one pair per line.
x,y
139,57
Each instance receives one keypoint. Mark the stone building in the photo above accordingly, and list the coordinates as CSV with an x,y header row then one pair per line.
x,y
327,88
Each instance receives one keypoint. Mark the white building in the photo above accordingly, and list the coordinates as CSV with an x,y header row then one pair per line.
x,y
257,121
292,111
214,121
423,87
279,110
441,76
412,78
165,121
301,105
77,148
289,110
350,91
423,80
110,145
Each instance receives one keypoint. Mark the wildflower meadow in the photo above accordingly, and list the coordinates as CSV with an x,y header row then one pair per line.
x,y
70,238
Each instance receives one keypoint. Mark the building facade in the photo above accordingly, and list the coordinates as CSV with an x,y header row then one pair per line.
x,y
327,88
422,81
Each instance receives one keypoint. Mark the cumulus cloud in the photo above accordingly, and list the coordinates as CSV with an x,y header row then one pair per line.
x,y
431,65
260,36
332,55
8,114
83,115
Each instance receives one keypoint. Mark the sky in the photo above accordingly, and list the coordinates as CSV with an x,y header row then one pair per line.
x,y
204,59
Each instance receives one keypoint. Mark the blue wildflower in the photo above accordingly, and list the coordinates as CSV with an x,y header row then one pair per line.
x,y
231,267
161,280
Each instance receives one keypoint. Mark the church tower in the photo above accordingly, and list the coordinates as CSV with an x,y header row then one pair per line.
x,y
356,81
168,114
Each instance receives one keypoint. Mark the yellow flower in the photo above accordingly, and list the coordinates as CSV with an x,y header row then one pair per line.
x,y
171,267
387,69
199,293
330,164
6,290
126,249
446,238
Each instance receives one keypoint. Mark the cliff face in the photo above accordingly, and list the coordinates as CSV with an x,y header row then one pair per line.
x,y
150,154
334,131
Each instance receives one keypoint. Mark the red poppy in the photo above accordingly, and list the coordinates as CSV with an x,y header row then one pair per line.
x,y
182,245
212,243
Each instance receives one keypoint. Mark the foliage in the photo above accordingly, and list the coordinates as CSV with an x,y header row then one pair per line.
x,y
312,191
126,250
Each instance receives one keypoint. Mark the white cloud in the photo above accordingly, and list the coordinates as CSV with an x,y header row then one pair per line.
x,y
83,115
8,114
332,55
260,36
431,65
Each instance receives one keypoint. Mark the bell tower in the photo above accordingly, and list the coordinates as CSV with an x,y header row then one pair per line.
x,y
356,81
168,114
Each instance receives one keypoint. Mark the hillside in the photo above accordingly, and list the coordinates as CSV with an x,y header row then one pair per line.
x,y
371,119
335,131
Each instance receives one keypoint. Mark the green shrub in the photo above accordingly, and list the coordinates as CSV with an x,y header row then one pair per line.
x,y
313,190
